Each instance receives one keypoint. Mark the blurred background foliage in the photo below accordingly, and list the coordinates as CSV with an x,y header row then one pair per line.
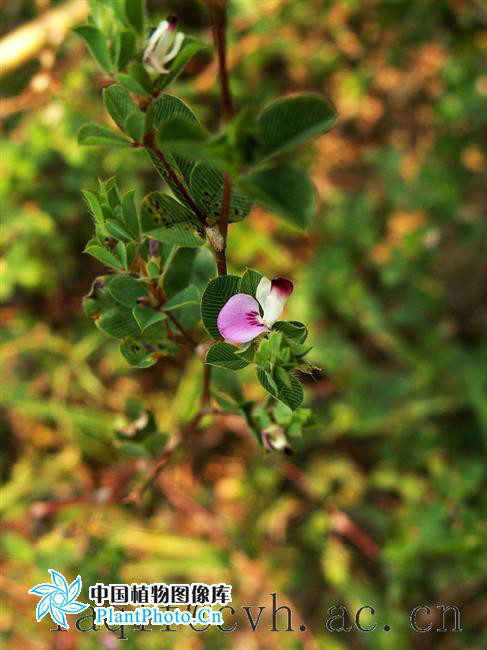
x,y
384,503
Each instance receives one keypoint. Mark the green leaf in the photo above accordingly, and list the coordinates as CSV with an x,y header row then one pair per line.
x,y
95,207
121,253
132,84
126,290
131,250
249,282
180,134
204,268
292,396
109,190
188,296
117,321
137,80
138,353
129,214
101,136
165,219
284,190
146,316
118,103
290,121
126,48
246,351
134,10
283,377
138,72
116,5
298,350
97,44
267,382
206,188
223,355
292,329
165,108
216,294
104,256
153,269
117,230
189,266
189,49
134,125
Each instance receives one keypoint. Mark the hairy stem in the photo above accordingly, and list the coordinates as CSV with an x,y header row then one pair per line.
x,y
217,9
218,22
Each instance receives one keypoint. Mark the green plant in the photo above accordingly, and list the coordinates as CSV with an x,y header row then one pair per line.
x,y
168,256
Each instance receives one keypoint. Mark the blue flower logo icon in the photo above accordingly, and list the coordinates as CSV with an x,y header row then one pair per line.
x,y
58,598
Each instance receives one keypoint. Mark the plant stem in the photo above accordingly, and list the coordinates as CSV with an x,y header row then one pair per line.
x,y
217,9
205,406
186,335
150,144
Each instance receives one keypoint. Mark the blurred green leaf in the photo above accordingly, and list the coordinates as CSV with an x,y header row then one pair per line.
x,y
188,296
97,44
287,191
134,126
126,51
146,316
101,136
290,121
134,10
190,48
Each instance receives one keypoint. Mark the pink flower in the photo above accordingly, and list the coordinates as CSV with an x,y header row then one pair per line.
x,y
240,321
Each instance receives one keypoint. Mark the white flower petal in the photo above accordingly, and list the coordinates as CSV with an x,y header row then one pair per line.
x,y
263,290
274,303
174,51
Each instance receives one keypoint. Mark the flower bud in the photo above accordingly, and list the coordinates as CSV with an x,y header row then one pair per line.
x,y
274,439
153,247
163,46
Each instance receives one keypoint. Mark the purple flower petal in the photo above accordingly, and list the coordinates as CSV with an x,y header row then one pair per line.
x,y
283,287
239,320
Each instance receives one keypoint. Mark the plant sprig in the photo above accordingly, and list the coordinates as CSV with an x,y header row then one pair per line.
x,y
167,257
